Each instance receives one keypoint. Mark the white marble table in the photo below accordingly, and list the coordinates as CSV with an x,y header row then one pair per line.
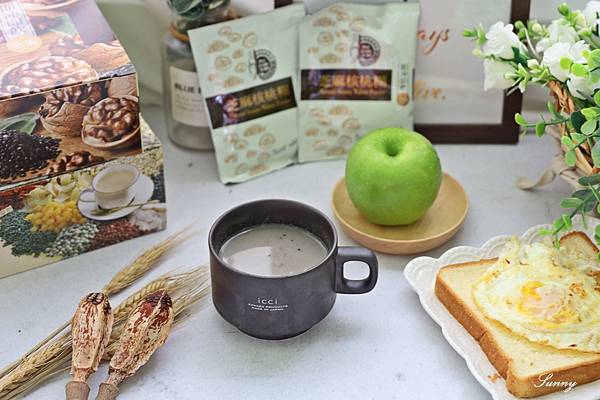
x,y
375,346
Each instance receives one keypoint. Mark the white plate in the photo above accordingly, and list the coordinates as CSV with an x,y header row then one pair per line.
x,y
143,193
421,273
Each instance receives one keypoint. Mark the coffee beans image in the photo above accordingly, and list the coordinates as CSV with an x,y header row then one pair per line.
x,y
21,152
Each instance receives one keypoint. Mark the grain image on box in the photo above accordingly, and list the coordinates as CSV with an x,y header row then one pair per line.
x,y
43,220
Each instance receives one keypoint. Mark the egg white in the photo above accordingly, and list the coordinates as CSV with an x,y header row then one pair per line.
x,y
531,293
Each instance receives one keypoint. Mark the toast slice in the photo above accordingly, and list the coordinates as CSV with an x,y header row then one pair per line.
x,y
530,369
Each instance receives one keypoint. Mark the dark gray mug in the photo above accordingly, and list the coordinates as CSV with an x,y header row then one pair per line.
x,y
282,307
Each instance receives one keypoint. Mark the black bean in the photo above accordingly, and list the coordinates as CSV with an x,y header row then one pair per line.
x,y
21,152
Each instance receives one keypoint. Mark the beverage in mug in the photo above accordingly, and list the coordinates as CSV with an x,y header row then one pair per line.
x,y
277,268
273,250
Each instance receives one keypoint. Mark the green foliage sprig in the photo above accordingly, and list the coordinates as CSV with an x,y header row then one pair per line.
x,y
581,202
565,55
194,9
583,127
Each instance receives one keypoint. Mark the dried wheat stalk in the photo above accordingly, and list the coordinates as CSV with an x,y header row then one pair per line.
x,y
188,287
123,279
143,263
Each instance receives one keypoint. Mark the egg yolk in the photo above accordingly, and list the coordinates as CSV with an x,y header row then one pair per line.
x,y
544,302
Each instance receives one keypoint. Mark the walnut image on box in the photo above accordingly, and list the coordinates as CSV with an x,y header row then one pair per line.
x,y
44,220
68,91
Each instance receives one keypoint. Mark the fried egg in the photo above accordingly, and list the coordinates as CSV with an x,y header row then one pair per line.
x,y
536,296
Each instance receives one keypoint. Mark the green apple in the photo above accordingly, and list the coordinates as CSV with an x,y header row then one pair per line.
x,y
393,176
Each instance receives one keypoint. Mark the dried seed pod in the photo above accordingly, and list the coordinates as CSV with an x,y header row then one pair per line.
x,y
147,329
90,329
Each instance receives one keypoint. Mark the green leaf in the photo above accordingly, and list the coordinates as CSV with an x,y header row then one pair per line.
x,y
596,154
597,98
545,231
577,119
540,128
557,224
552,110
518,57
23,123
566,219
594,74
192,9
470,33
578,137
568,142
520,120
584,195
592,180
571,202
570,158
590,112
594,59
597,230
589,127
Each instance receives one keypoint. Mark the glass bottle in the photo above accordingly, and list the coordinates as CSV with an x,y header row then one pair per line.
x,y
186,118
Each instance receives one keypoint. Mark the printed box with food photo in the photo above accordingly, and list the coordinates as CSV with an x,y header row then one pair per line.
x,y
44,220
68,91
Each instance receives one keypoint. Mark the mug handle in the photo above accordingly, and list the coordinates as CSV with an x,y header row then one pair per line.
x,y
355,286
88,200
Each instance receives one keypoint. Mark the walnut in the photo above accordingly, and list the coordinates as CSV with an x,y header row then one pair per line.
x,y
111,120
44,73
70,162
101,56
67,45
123,85
65,108
104,57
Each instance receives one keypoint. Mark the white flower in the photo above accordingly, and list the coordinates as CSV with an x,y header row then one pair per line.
x,y
478,53
533,63
496,75
577,50
558,31
500,41
581,87
558,51
591,13
552,57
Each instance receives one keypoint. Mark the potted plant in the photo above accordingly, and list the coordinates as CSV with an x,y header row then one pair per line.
x,y
565,57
